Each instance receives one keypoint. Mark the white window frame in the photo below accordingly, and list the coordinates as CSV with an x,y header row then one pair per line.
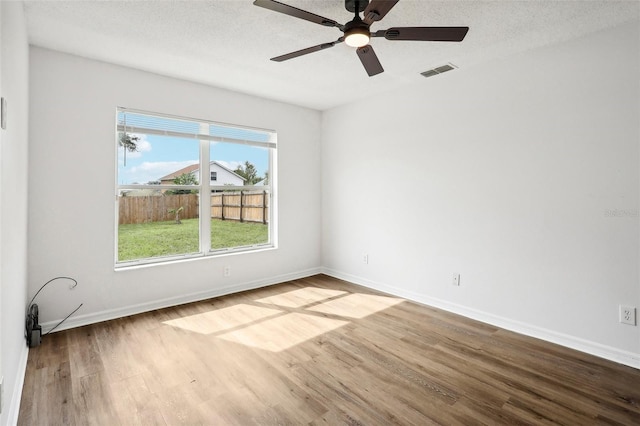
x,y
204,187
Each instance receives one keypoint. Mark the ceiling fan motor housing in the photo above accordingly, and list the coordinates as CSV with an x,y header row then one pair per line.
x,y
356,25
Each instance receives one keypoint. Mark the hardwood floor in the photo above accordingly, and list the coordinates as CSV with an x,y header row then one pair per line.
x,y
316,351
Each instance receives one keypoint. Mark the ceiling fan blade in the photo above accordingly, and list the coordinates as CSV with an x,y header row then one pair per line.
x,y
297,13
369,60
423,33
306,51
377,9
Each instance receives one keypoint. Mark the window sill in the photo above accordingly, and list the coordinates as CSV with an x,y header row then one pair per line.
x,y
215,254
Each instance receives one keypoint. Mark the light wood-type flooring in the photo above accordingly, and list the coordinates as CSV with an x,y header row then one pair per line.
x,y
316,351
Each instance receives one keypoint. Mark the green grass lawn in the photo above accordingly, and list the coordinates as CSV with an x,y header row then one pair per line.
x,y
138,241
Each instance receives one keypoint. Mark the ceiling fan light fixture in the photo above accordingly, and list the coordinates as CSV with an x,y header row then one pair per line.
x,y
356,33
357,39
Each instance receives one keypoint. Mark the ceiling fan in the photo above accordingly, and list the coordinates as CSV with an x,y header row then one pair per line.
x,y
357,33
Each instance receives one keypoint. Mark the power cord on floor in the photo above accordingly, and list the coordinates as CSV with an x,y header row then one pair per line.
x,y
33,330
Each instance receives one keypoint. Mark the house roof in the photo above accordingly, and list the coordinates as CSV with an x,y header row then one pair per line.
x,y
194,168
188,169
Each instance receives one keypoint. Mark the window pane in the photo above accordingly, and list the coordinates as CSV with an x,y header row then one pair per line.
x,y
155,160
239,219
237,164
157,225
156,221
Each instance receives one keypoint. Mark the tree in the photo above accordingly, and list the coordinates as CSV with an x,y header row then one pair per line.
x,y
129,143
177,213
249,172
184,179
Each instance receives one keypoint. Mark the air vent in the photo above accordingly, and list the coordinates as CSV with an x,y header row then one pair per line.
x,y
438,70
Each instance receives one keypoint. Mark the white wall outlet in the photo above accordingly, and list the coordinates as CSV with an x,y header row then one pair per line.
x,y
628,315
365,258
226,271
456,279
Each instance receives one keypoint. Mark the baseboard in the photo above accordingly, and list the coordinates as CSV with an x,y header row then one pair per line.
x,y
630,359
80,320
14,407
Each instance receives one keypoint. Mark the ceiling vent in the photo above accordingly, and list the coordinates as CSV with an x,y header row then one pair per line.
x,y
438,70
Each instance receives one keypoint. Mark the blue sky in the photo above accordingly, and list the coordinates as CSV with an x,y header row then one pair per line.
x,y
159,156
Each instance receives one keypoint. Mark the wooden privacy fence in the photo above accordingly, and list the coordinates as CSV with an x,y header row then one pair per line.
x,y
156,208
243,206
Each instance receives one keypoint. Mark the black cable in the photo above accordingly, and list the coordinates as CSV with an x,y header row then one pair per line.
x,y
65,318
28,314
45,284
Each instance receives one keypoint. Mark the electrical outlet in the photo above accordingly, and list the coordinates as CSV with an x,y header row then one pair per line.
x,y
1,393
628,315
365,258
456,279
226,271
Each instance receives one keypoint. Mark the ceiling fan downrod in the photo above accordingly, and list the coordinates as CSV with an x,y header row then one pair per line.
x,y
356,5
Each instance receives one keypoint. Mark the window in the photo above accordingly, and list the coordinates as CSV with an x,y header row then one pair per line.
x,y
167,209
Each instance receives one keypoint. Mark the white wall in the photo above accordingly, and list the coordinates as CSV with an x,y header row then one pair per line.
x,y
71,218
13,205
503,173
1,281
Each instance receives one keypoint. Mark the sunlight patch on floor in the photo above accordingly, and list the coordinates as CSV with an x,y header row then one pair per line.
x,y
223,319
283,332
356,305
293,318
301,297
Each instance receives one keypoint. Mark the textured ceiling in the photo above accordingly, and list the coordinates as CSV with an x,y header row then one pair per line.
x,y
228,43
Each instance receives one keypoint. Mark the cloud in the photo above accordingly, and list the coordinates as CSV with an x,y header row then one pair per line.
x,y
162,168
151,171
